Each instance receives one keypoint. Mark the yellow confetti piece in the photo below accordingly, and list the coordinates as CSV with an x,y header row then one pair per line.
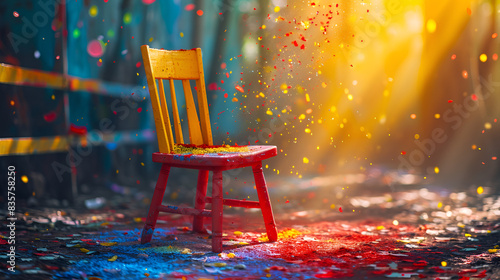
x,y
84,250
276,9
269,112
305,160
238,233
307,130
235,99
186,251
431,26
444,263
108,244
480,190
436,170
243,243
113,258
138,220
231,255
215,264
492,250
284,234
483,57
24,178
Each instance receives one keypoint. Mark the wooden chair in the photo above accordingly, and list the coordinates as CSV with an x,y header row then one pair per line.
x,y
187,65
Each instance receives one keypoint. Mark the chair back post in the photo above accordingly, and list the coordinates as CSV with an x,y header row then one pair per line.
x,y
184,65
163,144
202,102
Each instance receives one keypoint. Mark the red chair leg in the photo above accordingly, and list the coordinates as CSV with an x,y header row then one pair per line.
x,y
199,203
265,202
161,184
217,211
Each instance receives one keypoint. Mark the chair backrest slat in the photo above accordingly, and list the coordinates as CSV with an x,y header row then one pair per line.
x,y
175,112
193,122
174,64
182,65
202,103
164,112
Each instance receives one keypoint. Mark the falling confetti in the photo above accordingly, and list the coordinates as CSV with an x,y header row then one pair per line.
x,y
483,57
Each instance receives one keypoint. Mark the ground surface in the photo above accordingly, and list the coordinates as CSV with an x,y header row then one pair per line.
x,y
411,234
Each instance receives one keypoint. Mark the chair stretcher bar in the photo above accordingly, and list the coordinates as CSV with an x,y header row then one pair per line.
x,y
184,210
236,203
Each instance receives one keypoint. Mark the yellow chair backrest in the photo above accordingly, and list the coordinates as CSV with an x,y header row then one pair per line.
x,y
182,65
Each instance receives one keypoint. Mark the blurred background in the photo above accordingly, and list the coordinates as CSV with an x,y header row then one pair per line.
x,y
356,94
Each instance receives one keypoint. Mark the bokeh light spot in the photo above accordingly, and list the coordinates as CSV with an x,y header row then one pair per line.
x,y
431,26
95,48
93,11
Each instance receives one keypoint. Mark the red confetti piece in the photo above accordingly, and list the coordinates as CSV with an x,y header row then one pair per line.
x,y
16,14
240,89
227,75
340,210
199,12
50,116
225,95
473,97
189,7
450,101
403,152
80,130
138,64
139,109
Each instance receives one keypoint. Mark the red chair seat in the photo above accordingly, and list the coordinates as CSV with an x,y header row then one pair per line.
x,y
214,161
